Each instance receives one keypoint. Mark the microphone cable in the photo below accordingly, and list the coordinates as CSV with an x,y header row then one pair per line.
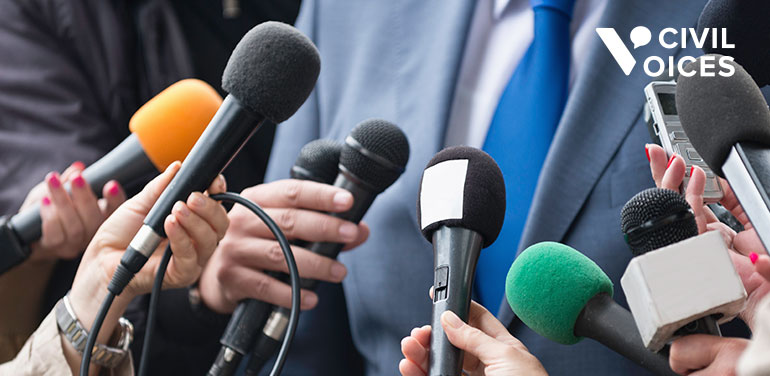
x,y
158,282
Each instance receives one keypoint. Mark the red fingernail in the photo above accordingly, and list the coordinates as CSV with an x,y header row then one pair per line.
x,y
79,165
647,151
692,168
53,180
753,257
670,161
46,201
79,181
113,189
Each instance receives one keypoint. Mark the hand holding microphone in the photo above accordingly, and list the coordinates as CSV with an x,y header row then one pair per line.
x,y
490,350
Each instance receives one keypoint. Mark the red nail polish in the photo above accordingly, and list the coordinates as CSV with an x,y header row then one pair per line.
x,y
79,181
753,257
670,161
79,165
114,189
647,151
53,180
46,201
692,168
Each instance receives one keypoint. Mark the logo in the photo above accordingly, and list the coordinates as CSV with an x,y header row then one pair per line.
x,y
670,38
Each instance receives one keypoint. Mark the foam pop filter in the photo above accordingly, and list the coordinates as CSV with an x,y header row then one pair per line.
x,y
717,112
473,182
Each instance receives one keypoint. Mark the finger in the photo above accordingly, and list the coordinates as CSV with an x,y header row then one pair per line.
x,y
86,204
301,194
363,234
730,202
67,174
204,238
422,335
267,254
219,185
211,212
407,368
183,268
256,285
113,195
763,266
481,318
144,200
693,352
674,174
309,226
747,241
694,196
472,340
415,352
728,234
74,229
52,228
658,160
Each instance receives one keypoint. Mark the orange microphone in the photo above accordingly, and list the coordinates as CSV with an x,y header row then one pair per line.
x,y
163,130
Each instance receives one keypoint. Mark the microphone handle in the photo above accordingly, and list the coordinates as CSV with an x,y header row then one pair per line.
x,y
269,338
125,163
704,325
605,321
456,251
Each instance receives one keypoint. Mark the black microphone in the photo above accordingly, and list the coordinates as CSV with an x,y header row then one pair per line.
x,y
157,139
749,32
728,122
317,161
564,296
460,208
373,157
652,220
269,75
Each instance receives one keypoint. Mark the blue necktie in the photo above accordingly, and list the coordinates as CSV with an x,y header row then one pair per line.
x,y
520,134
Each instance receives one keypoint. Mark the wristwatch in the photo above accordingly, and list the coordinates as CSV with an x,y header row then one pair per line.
x,y
77,335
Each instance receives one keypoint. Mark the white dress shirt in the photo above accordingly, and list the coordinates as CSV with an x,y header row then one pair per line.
x,y
500,34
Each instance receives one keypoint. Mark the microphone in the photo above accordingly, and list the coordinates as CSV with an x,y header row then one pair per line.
x,y
317,161
746,20
163,130
564,296
269,75
728,122
373,157
669,294
460,208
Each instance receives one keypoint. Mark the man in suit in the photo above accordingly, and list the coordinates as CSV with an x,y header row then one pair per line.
x,y
441,71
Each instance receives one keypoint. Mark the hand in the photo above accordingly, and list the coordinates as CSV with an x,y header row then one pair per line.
x,y
237,269
761,265
670,175
705,355
489,348
193,228
69,220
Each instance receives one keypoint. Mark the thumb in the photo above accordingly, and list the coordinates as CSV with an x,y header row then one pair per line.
x,y
473,341
144,200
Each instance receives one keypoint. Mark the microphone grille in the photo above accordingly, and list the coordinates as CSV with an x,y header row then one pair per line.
x,y
319,161
376,152
462,187
655,205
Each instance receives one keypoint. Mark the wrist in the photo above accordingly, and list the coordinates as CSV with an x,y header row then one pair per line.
x,y
86,298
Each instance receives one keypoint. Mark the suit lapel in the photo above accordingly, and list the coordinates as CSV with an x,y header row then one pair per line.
x,y
602,107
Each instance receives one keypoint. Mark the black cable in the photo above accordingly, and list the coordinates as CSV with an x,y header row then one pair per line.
x,y
98,321
151,311
293,277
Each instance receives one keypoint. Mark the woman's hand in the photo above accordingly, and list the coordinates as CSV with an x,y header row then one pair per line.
x,y
69,220
489,348
194,228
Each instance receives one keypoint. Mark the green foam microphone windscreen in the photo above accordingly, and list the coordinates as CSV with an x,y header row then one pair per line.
x,y
549,284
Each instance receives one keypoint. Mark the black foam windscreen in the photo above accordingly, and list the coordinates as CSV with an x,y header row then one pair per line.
x,y
747,27
718,112
483,194
319,160
376,152
272,70
660,208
